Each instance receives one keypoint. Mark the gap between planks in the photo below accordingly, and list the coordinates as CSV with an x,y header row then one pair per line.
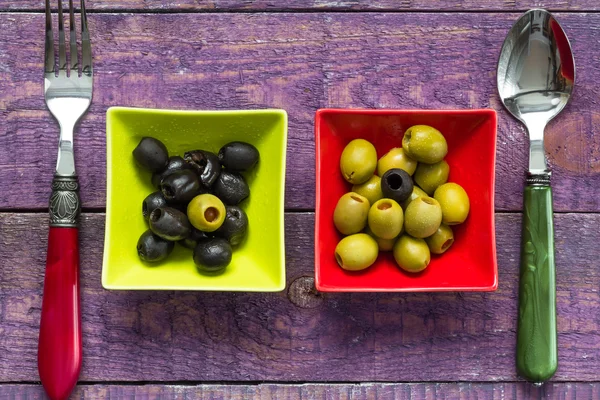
x,y
329,10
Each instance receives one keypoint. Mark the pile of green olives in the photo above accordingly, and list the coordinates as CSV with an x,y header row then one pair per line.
x,y
401,202
196,202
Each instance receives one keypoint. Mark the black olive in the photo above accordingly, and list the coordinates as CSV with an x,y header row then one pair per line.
x,y
181,186
238,156
151,154
152,248
212,255
231,188
175,163
152,202
206,164
194,238
234,226
169,223
396,184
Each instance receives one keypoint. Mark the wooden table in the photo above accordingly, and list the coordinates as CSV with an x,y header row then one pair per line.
x,y
300,56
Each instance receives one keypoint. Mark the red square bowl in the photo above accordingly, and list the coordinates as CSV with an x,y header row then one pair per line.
x,y
470,264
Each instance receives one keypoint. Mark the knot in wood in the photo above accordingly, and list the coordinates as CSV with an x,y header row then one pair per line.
x,y
303,294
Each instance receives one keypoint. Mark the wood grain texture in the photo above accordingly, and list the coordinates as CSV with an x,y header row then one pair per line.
x,y
299,62
366,391
189,336
314,5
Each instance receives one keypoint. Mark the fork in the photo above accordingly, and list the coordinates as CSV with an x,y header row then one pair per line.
x,y
68,95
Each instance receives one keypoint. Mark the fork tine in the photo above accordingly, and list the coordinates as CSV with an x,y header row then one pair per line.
x,y
62,52
74,56
86,47
49,52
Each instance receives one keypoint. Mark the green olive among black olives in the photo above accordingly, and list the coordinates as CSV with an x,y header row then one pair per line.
x,y
206,212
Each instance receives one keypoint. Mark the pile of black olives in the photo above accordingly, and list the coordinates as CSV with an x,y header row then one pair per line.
x,y
196,202
407,207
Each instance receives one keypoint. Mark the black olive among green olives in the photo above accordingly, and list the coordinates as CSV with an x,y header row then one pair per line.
x,y
195,237
181,186
386,219
206,212
441,240
424,144
350,214
151,154
238,156
169,223
396,184
152,248
231,188
396,158
356,252
430,176
235,225
175,163
370,189
411,254
212,255
423,217
454,202
206,165
151,202
358,161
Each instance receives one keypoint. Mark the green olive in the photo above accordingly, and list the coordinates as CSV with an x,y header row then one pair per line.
x,y
386,219
411,254
417,192
454,202
430,176
441,240
383,244
423,217
356,252
358,161
371,189
350,214
396,158
424,144
206,212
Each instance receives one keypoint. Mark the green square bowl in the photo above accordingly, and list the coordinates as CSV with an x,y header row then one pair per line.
x,y
258,264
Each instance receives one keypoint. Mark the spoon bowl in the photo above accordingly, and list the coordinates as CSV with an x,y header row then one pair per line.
x,y
536,75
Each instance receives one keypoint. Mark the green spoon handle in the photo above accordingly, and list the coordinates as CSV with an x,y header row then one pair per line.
x,y
537,352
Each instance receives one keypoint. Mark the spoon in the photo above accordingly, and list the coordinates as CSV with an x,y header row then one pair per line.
x,y
536,73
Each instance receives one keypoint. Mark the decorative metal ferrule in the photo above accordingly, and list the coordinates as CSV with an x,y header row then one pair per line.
x,y
65,205
542,179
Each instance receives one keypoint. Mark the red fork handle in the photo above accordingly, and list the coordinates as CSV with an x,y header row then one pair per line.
x,y
59,347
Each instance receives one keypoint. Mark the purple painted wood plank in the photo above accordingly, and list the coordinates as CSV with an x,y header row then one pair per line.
x,y
299,62
397,391
300,335
324,5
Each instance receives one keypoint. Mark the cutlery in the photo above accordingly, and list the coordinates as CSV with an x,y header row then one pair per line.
x,y
536,74
68,96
